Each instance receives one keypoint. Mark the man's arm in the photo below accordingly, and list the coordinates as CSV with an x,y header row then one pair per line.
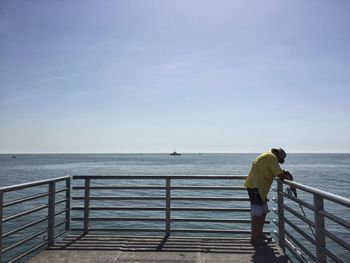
x,y
285,175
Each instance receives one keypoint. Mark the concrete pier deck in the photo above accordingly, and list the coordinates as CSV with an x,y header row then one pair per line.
x,y
96,249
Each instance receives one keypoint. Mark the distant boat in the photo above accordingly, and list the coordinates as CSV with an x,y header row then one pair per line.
x,y
13,156
175,153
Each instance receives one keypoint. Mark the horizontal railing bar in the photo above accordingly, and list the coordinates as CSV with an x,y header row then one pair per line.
x,y
155,242
149,241
174,238
152,246
31,211
301,202
210,198
332,256
326,195
163,230
247,221
302,247
24,213
61,212
208,209
211,231
111,187
32,184
208,188
120,229
148,187
294,251
300,231
11,232
61,201
208,220
61,190
30,198
22,200
60,223
336,239
335,219
61,233
301,217
29,251
120,198
118,219
153,177
194,198
24,240
120,208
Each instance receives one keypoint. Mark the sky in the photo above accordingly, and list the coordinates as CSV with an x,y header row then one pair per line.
x,y
157,75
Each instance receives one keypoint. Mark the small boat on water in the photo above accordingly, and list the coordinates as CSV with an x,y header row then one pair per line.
x,y
175,153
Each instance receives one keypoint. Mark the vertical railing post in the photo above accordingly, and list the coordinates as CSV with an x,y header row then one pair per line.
x,y
319,228
86,205
280,210
167,206
1,215
51,215
68,196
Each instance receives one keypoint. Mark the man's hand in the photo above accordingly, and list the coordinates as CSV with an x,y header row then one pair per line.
x,y
289,177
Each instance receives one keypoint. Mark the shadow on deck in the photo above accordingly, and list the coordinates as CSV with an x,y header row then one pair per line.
x,y
102,248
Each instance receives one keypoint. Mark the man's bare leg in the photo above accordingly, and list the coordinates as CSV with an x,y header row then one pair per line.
x,y
257,227
262,235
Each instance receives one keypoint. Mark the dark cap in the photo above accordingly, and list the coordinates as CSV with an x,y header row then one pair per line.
x,y
281,153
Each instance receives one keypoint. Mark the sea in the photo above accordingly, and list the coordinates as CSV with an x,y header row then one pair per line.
x,y
326,171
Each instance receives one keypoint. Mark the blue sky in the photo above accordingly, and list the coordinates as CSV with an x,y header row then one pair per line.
x,y
151,76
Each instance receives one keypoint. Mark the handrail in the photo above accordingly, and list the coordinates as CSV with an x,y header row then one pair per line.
x,y
163,208
167,195
157,177
42,201
167,202
317,224
32,184
329,196
111,187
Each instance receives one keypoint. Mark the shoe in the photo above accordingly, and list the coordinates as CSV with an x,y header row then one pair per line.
x,y
267,238
258,242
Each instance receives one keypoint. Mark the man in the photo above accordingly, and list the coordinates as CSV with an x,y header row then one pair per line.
x,y
262,172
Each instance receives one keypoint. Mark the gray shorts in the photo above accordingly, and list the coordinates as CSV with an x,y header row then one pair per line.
x,y
258,206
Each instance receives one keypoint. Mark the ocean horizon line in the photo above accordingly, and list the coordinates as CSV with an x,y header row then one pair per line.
x,y
140,153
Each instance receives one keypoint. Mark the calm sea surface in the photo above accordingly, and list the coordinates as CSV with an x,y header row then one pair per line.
x,y
329,172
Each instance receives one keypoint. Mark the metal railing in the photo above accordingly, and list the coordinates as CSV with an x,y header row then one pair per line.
x,y
315,247
18,215
164,204
169,205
